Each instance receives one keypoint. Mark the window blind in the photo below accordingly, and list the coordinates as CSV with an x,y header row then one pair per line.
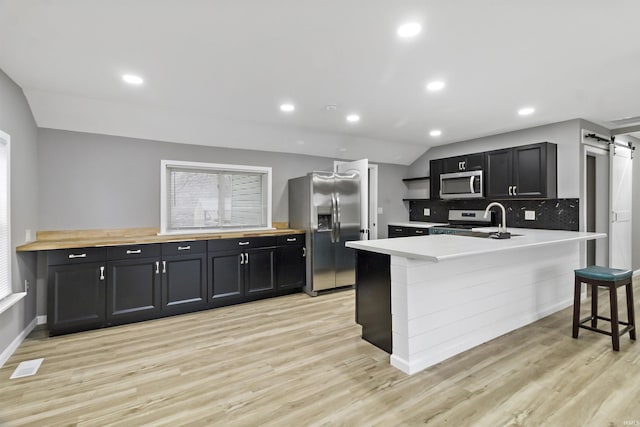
x,y
210,198
5,284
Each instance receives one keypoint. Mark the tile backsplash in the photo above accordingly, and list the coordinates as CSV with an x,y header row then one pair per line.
x,y
552,214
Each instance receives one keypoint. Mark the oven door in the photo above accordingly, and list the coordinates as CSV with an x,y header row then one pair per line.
x,y
461,185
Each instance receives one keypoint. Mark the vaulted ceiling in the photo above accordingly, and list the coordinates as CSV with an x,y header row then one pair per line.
x,y
216,72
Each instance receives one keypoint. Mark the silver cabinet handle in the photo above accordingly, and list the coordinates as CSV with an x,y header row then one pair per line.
x,y
471,181
419,232
72,256
133,252
510,187
243,243
164,267
184,248
514,190
241,259
304,252
246,260
102,272
291,239
157,267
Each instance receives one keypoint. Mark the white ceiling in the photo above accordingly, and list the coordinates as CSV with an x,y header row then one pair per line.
x,y
216,71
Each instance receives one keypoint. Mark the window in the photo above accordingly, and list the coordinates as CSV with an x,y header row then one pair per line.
x,y
5,241
207,197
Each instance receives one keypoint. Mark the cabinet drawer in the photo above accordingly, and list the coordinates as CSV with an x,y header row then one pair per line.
x,y
133,251
76,256
184,248
252,242
418,231
291,239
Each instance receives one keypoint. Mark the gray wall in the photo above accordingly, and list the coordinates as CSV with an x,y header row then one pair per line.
x,y
96,181
16,120
565,134
635,226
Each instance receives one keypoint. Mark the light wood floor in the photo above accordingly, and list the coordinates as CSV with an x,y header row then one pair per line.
x,y
298,361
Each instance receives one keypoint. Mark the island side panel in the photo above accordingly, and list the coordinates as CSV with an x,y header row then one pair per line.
x,y
451,306
373,298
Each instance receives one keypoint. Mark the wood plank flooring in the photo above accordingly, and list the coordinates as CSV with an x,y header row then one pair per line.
x,y
300,361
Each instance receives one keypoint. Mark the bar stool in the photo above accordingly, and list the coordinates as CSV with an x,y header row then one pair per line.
x,y
611,278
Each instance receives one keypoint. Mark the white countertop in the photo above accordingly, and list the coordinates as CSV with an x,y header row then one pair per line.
x,y
416,224
443,247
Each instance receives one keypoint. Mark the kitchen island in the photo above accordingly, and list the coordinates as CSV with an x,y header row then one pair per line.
x,y
425,299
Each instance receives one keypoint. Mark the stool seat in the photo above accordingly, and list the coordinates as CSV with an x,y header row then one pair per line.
x,y
596,272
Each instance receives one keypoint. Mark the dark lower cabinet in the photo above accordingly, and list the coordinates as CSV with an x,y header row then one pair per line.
x,y
291,266
260,271
184,277
91,288
133,290
76,296
226,276
398,231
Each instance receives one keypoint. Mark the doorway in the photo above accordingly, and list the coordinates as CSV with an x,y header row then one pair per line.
x,y
595,209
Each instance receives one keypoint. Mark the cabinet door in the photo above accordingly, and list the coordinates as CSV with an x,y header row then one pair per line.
x,y
435,169
529,171
499,174
226,276
474,162
396,231
453,164
290,267
75,295
184,282
133,290
415,231
259,270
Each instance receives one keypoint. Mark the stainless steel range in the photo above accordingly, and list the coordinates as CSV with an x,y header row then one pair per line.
x,y
461,221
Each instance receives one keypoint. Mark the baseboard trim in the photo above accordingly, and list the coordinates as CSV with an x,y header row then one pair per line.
x,y
42,320
6,354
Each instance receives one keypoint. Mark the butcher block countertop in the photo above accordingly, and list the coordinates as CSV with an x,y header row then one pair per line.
x,y
68,239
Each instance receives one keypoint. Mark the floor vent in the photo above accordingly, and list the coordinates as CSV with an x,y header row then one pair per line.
x,y
26,368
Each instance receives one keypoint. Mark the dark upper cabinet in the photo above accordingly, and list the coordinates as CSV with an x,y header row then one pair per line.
x,y
435,169
528,171
468,162
291,263
75,289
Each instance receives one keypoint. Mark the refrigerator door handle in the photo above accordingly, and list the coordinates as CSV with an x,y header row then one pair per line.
x,y
337,226
333,219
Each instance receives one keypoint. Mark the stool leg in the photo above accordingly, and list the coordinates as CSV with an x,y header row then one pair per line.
x,y
631,316
576,307
594,306
615,327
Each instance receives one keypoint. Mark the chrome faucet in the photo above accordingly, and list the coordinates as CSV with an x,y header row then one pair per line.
x,y
503,228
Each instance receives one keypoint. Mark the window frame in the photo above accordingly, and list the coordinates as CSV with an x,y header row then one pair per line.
x,y
165,165
5,140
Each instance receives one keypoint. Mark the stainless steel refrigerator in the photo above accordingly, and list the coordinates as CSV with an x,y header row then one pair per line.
x,y
327,206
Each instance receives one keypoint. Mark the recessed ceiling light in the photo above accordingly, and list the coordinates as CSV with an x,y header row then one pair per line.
x,y
331,107
435,132
410,29
526,111
342,149
287,108
131,79
353,118
435,86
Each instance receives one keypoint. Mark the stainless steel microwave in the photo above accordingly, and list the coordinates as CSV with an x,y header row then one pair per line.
x,y
461,185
